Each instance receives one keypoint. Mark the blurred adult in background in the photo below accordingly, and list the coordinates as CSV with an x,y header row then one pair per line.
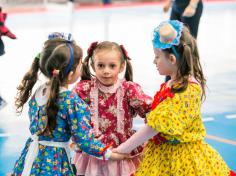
x,y
4,31
2,102
187,11
106,2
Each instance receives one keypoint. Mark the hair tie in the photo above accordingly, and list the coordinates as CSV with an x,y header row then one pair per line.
x,y
91,48
124,52
55,72
85,62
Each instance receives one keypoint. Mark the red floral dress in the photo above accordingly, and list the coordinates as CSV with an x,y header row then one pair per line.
x,y
112,112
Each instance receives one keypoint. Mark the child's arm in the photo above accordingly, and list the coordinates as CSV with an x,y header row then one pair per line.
x,y
190,10
137,139
167,5
138,100
82,89
79,123
82,136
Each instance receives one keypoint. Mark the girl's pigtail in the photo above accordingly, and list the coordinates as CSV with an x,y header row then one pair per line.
x,y
198,72
184,68
86,74
129,69
52,107
24,90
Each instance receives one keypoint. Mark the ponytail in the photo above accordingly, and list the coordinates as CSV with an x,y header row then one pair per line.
x,y
52,106
129,69
184,69
86,74
198,73
189,64
24,90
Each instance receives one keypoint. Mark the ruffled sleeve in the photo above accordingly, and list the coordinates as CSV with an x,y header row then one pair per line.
x,y
79,123
138,100
82,88
173,115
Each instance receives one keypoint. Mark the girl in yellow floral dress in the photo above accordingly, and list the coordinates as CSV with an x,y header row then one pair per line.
x,y
174,126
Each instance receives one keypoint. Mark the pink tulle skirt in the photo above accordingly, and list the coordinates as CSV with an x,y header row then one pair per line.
x,y
90,166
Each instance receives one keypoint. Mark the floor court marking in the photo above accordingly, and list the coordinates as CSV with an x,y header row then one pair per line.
x,y
208,119
215,138
231,116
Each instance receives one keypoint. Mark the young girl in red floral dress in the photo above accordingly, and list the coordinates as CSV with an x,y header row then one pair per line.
x,y
113,102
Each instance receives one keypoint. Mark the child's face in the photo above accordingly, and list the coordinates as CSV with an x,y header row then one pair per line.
x,y
164,63
107,66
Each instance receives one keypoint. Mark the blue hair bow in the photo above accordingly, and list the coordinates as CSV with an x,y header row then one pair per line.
x,y
178,27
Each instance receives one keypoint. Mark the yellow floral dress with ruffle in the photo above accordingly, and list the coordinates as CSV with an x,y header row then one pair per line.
x,y
184,153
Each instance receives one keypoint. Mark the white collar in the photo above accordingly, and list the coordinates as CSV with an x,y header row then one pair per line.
x,y
42,93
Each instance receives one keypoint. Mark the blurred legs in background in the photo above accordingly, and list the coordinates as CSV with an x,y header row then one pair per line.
x,y
105,2
2,102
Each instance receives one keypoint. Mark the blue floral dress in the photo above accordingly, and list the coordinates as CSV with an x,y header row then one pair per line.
x,y
73,121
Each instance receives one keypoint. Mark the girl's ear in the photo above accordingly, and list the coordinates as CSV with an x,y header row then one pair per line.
x,y
172,58
122,67
70,76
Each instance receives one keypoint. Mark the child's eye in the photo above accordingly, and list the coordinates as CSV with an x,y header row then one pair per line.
x,y
112,65
100,65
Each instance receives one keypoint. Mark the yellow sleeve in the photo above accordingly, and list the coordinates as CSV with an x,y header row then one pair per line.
x,y
173,115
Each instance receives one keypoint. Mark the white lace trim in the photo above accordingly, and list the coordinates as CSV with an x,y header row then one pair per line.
x,y
94,104
94,108
42,98
120,110
110,89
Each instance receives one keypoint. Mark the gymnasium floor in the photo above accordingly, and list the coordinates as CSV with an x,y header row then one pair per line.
x,y
130,25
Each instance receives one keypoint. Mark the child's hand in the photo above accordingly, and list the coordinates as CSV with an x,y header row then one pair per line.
x,y
119,156
75,147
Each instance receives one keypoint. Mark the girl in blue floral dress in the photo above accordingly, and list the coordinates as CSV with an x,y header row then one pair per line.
x,y
56,113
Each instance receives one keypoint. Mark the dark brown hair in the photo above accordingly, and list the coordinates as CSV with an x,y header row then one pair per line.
x,y
188,63
106,45
55,56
